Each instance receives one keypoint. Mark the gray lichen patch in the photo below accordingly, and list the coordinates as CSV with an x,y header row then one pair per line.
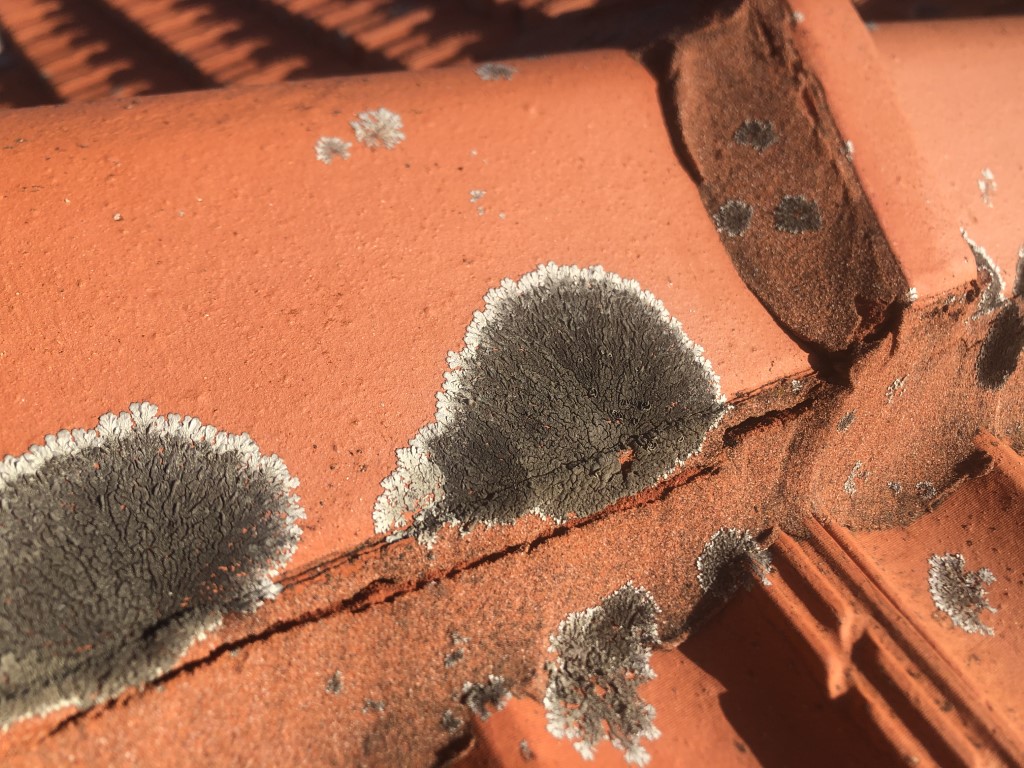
x,y
378,128
926,490
989,276
492,71
797,214
759,134
482,697
1000,351
733,218
575,389
329,147
960,593
728,559
121,545
603,657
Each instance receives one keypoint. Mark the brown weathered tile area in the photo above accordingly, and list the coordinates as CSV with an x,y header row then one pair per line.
x,y
753,127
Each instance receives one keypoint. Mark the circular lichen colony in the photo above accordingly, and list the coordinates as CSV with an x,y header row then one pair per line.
x,y
121,545
576,388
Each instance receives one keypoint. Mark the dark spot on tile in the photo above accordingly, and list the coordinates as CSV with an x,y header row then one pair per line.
x,y
120,545
564,372
733,218
593,685
796,214
759,134
1000,352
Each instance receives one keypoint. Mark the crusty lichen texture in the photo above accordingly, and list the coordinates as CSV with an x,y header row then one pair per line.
x,y
603,657
959,593
575,388
728,561
122,544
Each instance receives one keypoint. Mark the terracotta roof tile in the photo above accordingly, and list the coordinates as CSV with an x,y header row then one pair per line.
x,y
813,582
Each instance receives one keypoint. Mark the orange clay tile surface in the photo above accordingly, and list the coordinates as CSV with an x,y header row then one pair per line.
x,y
192,251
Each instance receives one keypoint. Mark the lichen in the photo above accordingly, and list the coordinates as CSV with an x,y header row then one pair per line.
x,y
847,420
563,374
492,71
758,134
329,147
378,128
987,186
728,560
733,218
896,388
335,683
122,544
989,276
480,697
850,486
960,593
603,657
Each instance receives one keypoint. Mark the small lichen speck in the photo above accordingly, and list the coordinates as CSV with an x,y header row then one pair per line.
x,y
453,657
724,565
329,147
480,696
987,186
475,195
850,486
926,490
959,593
378,128
372,705
335,683
758,134
848,150
798,17
895,487
525,751
911,296
733,218
492,71
124,543
450,721
118,217
896,388
796,385
603,656
989,275
797,214
846,421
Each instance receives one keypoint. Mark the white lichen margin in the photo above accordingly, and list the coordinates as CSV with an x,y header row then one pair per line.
x,y
142,417
417,483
